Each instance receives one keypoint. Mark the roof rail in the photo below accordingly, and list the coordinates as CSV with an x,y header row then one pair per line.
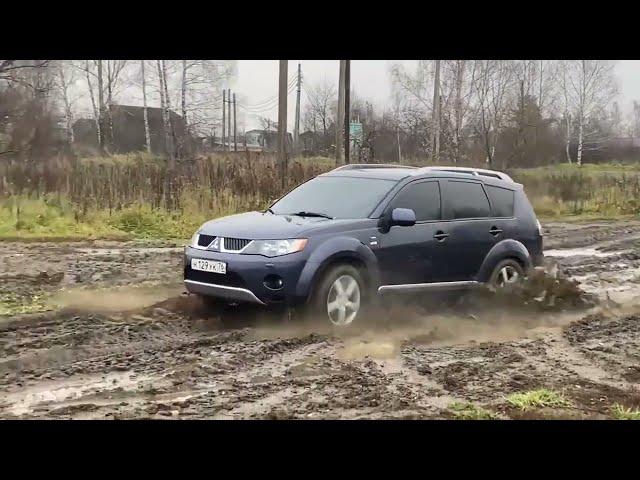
x,y
356,166
473,171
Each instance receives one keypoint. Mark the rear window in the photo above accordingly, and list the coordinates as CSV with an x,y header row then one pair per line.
x,y
501,201
465,200
422,197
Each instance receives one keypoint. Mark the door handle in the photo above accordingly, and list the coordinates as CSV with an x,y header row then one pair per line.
x,y
440,236
495,231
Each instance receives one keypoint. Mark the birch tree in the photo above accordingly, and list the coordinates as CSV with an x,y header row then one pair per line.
x,y
166,111
65,76
589,86
491,87
147,136
457,83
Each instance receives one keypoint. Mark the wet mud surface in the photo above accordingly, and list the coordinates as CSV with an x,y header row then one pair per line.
x,y
117,338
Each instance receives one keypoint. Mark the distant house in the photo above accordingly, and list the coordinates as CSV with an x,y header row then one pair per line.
x,y
214,144
625,142
310,142
126,133
267,140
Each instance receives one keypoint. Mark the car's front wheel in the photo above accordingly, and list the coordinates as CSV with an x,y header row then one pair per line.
x,y
340,295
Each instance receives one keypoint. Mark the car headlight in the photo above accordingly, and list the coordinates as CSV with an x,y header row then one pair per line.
x,y
275,248
193,243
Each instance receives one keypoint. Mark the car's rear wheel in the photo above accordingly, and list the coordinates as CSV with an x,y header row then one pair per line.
x,y
340,295
507,273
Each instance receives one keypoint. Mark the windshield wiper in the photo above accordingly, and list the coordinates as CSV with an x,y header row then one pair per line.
x,y
268,210
311,214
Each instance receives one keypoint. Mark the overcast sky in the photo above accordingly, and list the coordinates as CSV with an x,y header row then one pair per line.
x,y
257,82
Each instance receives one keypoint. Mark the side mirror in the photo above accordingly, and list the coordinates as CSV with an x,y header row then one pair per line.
x,y
403,217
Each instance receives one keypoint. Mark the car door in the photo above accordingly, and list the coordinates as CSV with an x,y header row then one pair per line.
x,y
504,224
466,212
410,255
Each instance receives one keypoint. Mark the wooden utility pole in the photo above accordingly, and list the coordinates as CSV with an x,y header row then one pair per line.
x,y
347,109
296,130
224,119
340,119
436,114
229,116
282,120
235,142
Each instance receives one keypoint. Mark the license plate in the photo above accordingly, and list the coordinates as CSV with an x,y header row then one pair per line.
x,y
208,266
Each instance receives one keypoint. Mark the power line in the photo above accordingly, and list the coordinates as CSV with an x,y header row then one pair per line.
x,y
275,97
267,105
264,108
273,100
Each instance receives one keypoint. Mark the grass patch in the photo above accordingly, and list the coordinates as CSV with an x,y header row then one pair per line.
x,y
537,399
11,304
469,411
54,218
620,412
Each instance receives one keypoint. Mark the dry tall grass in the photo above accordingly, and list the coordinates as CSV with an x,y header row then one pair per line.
x,y
137,195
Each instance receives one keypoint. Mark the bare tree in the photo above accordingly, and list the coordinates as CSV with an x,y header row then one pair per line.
x,y
96,112
320,106
65,78
491,87
147,136
588,88
456,91
166,111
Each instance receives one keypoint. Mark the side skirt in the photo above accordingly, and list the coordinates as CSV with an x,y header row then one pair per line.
x,y
436,286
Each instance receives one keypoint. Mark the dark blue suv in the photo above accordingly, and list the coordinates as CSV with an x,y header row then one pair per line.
x,y
339,240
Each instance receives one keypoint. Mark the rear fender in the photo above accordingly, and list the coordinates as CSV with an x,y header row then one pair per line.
x,y
508,248
332,251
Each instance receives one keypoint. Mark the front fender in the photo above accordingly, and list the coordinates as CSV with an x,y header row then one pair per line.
x,y
508,248
333,250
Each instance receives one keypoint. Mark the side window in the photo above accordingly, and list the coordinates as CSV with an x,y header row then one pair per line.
x,y
501,201
465,200
422,197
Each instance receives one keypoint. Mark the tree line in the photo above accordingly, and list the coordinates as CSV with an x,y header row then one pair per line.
x,y
500,113
40,100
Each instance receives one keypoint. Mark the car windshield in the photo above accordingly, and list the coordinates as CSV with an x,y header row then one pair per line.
x,y
335,197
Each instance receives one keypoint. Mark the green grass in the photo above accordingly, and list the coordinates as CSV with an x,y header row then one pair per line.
x,y
11,304
51,218
469,411
537,399
622,413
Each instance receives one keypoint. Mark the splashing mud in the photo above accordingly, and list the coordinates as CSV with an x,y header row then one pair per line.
x,y
121,299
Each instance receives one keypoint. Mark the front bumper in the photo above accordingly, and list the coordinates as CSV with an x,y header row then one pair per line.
x,y
245,277
221,291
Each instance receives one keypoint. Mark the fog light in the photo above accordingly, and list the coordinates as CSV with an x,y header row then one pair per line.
x,y
273,282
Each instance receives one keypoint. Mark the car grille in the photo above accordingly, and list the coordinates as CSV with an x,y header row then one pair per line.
x,y
235,244
230,279
205,240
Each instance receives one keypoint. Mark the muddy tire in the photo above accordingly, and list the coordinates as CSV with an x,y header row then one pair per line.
x,y
507,273
340,296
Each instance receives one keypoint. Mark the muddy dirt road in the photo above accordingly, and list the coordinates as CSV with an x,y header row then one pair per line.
x,y
120,340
